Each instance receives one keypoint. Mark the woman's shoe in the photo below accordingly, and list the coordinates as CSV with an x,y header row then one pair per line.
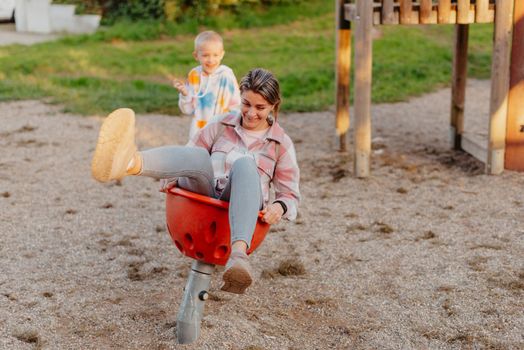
x,y
115,147
237,276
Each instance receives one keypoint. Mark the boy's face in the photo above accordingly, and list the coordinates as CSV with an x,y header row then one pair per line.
x,y
209,54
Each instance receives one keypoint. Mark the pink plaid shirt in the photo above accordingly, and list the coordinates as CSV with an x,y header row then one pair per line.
x,y
281,169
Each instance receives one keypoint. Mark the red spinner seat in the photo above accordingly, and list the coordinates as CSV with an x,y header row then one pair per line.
x,y
199,226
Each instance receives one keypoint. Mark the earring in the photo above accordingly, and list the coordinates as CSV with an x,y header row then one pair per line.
x,y
270,119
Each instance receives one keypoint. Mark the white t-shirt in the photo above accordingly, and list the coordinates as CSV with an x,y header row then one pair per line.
x,y
218,159
251,136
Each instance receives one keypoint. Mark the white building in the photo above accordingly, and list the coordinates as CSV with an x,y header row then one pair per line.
x,y
41,16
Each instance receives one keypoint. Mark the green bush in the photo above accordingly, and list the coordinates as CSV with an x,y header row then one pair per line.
x,y
83,6
249,17
132,9
201,12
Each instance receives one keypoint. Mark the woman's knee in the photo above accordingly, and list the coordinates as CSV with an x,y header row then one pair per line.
x,y
244,164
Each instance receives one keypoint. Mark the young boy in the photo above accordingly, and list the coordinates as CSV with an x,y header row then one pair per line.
x,y
211,88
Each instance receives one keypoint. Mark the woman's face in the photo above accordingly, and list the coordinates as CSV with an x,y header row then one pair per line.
x,y
255,110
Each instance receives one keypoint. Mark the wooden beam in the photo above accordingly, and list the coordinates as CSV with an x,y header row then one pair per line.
x,y
482,14
475,145
426,8
350,12
444,10
515,128
343,65
406,9
388,15
499,86
363,72
430,12
463,11
458,87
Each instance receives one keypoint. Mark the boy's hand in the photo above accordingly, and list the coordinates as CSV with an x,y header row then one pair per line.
x,y
180,86
272,213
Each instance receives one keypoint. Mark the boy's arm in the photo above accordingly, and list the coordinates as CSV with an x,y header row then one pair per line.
x,y
234,101
186,102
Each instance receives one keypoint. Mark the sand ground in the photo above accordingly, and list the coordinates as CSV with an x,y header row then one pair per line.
x,y
427,253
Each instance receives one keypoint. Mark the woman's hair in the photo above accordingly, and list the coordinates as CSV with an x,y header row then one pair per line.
x,y
264,83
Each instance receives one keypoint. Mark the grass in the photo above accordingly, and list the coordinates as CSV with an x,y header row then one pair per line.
x,y
128,66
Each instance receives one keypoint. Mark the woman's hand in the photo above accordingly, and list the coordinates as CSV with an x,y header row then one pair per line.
x,y
180,86
272,213
167,184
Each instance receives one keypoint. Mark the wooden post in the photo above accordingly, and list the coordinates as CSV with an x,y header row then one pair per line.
x,y
343,66
498,108
463,11
458,86
515,127
406,11
362,102
388,16
426,7
444,10
482,11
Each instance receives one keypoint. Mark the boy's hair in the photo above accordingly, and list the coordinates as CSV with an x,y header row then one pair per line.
x,y
207,36
263,82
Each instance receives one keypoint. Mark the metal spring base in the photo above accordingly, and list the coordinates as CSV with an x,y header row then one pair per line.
x,y
192,308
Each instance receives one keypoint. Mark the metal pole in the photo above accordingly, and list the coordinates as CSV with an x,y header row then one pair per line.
x,y
192,308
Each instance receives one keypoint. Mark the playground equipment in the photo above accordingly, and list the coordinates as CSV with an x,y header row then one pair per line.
x,y
504,148
199,226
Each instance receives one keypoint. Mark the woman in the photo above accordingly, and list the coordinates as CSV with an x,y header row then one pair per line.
x,y
235,158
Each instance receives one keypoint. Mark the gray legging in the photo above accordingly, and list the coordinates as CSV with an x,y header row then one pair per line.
x,y
192,166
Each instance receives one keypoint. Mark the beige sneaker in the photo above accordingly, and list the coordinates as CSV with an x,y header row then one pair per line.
x,y
238,274
115,147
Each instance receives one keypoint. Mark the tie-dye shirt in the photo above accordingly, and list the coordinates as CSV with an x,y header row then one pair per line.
x,y
277,167
209,95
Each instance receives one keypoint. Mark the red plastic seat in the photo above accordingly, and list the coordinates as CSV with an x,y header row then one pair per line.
x,y
199,226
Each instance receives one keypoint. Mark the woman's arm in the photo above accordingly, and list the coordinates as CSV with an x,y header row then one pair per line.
x,y
286,180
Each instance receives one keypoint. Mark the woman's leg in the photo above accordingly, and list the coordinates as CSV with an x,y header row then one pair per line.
x,y
245,200
244,195
191,165
116,156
